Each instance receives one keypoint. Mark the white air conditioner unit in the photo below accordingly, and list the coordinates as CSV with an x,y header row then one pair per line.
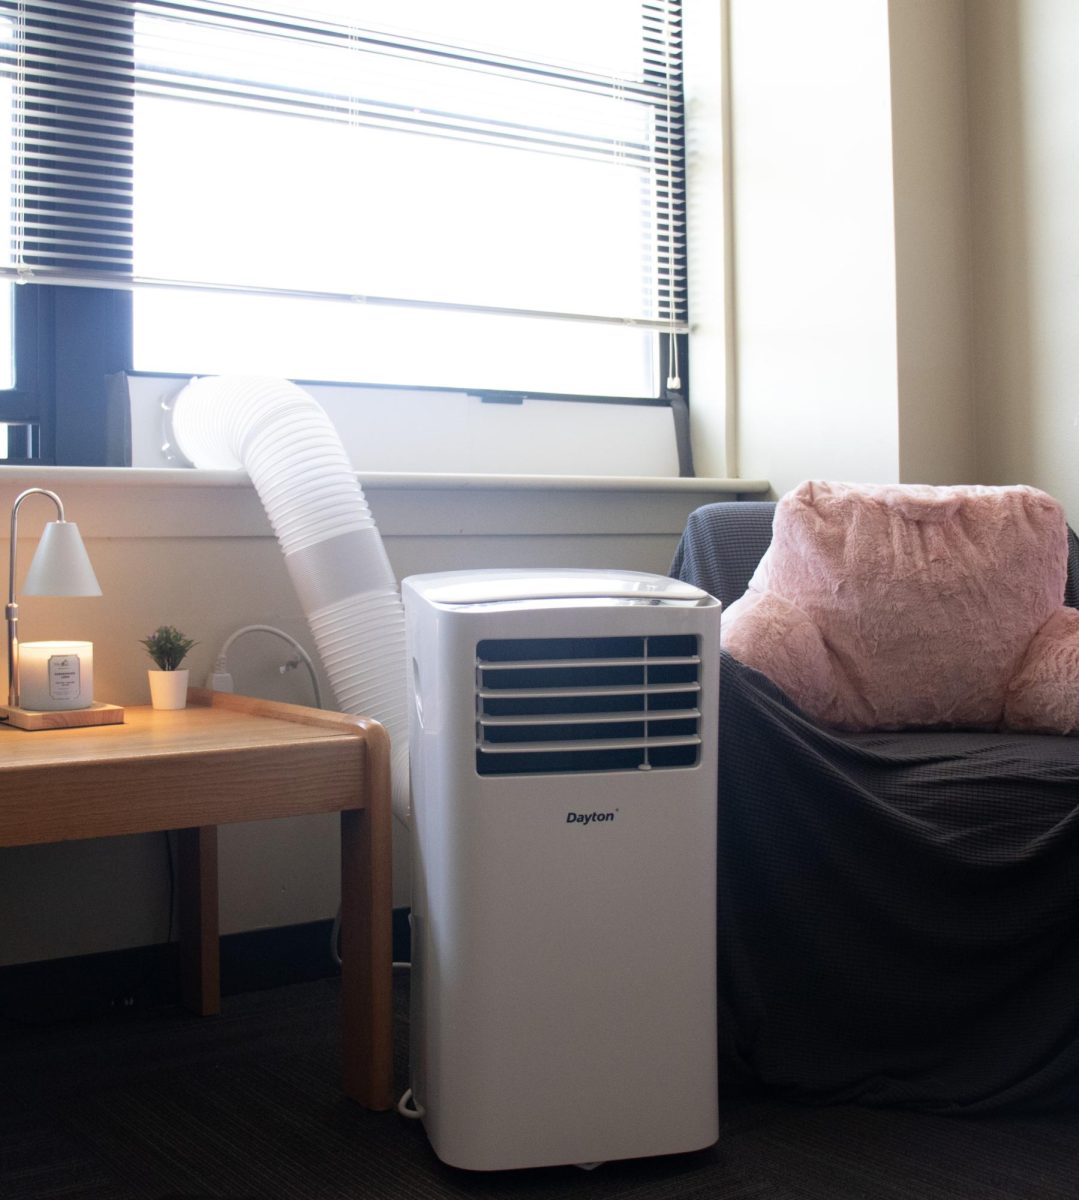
x,y
563,760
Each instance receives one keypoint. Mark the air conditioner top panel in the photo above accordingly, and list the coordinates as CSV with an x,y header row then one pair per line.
x,y
494,586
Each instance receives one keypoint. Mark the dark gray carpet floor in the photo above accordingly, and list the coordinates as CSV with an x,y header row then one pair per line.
x,y
165,1106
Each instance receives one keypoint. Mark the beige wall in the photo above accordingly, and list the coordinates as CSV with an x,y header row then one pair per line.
x,y
709,233
194,549
1024,97
911,319
931,189
813,245
850,241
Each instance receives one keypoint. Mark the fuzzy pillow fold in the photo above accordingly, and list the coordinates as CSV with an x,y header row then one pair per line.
x,y
894,606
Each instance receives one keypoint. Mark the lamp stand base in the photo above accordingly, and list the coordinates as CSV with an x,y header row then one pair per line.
x,y
73,718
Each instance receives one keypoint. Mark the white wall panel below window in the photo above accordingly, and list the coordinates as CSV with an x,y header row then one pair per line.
x,y
396,430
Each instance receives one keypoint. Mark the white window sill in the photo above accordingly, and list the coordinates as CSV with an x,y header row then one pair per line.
x,y
170,502
188,477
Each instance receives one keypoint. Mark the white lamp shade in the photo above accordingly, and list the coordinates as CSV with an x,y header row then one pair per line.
x,y
61,566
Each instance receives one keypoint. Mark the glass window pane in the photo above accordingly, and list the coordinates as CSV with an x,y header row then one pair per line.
x,y
219,333
605,35
225,196
7,337
531,196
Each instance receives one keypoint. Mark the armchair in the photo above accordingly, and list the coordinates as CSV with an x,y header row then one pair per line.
x,y
898,911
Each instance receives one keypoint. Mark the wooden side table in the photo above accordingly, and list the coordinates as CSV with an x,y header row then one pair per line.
x,y
229,758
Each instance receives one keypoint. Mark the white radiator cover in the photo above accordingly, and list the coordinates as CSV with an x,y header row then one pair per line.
x,y
563,919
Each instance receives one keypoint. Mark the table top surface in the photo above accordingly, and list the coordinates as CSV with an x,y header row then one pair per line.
x,y
148,733
224,758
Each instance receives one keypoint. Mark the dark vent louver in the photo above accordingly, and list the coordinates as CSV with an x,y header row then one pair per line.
x,y
558,705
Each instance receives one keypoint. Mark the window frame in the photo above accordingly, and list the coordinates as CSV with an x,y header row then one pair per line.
x,y
29,403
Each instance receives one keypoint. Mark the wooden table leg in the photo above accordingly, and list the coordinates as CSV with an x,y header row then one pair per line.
x,y
200,956
367,942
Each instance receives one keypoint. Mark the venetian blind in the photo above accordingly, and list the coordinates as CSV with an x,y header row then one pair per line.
x,y
485,156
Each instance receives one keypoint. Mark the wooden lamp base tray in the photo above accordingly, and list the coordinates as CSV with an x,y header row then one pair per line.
x,y
73,718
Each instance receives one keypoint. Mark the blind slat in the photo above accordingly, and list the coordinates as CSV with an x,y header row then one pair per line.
x,y
88,278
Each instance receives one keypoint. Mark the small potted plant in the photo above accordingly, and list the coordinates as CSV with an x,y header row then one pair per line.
x,y
167,646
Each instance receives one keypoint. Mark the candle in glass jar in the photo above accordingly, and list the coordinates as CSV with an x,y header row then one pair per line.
x,y
56,676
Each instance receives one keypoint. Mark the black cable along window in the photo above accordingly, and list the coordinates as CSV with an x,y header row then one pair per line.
x,y
482,195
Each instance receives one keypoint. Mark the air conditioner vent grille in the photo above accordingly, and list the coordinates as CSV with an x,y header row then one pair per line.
x,y
567,705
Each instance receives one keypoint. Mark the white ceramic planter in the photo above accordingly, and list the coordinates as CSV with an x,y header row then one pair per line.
x,y
168,689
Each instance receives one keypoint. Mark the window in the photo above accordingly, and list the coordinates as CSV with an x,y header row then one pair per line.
x,y
480,196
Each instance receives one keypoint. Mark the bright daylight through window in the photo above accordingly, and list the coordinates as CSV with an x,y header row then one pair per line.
x,y
481,195
470,154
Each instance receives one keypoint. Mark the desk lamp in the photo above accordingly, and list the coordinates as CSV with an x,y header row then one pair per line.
x,y
60,567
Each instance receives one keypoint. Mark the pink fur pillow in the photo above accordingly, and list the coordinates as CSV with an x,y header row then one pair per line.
x,y
882,607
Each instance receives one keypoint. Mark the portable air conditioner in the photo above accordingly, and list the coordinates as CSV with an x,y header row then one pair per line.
x,y
563,758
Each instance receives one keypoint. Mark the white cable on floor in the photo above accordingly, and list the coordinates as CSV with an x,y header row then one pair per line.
x,y
407,1106
335,942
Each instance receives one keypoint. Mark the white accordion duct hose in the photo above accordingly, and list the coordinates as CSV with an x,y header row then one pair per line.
x,y
335,557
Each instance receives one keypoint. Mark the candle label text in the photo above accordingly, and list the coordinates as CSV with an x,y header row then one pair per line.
x,y
64,680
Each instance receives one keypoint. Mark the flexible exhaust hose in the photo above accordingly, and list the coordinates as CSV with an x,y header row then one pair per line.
x,y
282,437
